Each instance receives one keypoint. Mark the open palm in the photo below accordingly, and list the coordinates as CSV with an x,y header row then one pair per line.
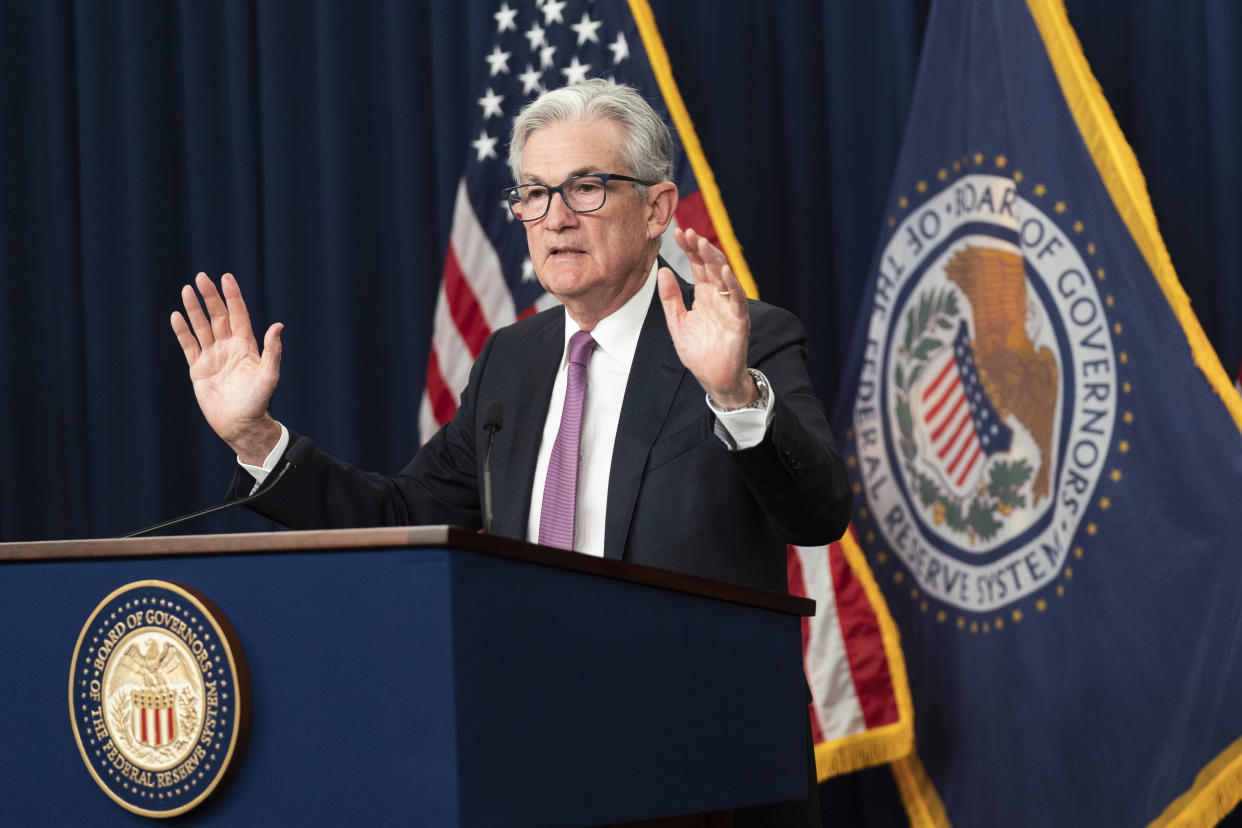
x,y
233,380
712,337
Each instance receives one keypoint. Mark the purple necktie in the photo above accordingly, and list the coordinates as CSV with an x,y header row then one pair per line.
x,y
560,490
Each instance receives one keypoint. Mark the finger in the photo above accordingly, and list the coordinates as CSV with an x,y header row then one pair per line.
x,y
239,315
712,286
737,293
198,319
726,278
189,345
700,247
216,310
272,350
728,286
670,298
686,240
712,254
714,262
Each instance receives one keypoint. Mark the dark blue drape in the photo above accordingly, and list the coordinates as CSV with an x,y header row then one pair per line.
x,y
312,148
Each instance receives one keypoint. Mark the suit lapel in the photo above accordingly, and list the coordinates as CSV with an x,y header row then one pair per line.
x,y
535,376
655,376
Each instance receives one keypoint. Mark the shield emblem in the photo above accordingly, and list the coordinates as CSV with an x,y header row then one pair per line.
x,y
960,425
154,717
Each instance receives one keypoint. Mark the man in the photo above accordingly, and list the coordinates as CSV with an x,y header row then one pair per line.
x,y
702,447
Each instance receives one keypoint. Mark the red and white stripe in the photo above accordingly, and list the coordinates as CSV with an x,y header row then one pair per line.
x,y
950,429
844,630
473,301
155,727
847,665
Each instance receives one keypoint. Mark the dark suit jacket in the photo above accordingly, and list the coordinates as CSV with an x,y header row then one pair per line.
x,y
677,497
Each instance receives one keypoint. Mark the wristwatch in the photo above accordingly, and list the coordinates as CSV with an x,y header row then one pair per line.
x,y
761,384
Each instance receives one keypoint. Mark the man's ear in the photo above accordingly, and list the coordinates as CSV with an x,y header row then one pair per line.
x,y
662,201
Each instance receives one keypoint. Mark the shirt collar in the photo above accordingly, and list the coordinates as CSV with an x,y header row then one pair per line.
x,y
617,333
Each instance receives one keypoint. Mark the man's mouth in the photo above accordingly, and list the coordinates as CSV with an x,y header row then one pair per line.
x,y
565,251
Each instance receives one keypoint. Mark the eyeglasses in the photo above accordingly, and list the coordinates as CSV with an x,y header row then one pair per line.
x,y
581,193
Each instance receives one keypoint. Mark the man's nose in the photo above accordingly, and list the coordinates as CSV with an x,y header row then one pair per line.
x,y
559,215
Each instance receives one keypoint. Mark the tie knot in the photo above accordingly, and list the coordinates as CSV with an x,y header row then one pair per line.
x,y
581,346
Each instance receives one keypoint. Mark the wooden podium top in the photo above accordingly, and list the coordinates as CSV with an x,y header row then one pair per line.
x,y
328,540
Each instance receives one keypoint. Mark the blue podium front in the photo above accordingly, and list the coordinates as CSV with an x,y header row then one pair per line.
x,y
421,676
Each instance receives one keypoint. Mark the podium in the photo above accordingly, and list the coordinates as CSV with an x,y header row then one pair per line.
x,y
428,676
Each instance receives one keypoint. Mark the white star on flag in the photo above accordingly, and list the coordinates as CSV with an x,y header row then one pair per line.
x,y
586,29
504,18
537,35
499,61
620,49
485,145
491,105
530,79
576,71
552,11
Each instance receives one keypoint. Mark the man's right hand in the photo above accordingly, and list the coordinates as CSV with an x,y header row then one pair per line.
x,y
232,380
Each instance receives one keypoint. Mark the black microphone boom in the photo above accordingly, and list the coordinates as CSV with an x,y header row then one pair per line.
x,y
295,454
493,419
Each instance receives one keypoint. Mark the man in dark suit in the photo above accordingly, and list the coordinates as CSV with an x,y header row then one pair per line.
x,y
702,447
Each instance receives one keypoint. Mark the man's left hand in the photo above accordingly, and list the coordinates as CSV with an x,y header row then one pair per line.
x,y
711,338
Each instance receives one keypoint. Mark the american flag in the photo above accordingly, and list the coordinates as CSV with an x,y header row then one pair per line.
x,y
488,279
961,423
854,668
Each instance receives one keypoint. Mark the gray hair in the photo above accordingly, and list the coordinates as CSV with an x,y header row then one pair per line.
x,y
648,149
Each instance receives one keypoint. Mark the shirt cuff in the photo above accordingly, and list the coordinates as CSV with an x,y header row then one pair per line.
x,y
744,428
260,473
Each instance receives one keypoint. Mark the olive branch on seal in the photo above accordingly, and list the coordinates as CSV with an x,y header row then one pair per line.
x,y
928,327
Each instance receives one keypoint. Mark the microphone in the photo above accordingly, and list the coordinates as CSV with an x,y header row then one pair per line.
x,y
493,418
295,454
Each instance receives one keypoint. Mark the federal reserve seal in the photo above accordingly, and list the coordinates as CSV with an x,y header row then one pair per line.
x,y
988,394
158,696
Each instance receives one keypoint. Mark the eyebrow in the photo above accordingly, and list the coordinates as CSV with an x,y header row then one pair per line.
x,y
592,170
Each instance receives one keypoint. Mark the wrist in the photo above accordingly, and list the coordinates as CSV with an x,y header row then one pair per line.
x,y
255,442
751,394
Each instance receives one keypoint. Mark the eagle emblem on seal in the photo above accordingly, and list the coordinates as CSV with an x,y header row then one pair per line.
x,y
961,396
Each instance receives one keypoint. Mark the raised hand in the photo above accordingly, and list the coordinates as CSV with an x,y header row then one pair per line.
x,y
712,337
233,382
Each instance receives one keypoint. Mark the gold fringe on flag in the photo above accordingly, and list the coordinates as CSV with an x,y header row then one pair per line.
x,y
923,806
1217,789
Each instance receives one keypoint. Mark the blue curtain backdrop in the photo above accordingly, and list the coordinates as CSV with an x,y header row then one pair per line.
x,y
312,148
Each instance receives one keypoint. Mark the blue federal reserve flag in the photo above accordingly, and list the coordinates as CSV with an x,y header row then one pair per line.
x,y
1046,454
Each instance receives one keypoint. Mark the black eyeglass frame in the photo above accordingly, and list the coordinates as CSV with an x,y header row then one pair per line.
x,y
511,193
